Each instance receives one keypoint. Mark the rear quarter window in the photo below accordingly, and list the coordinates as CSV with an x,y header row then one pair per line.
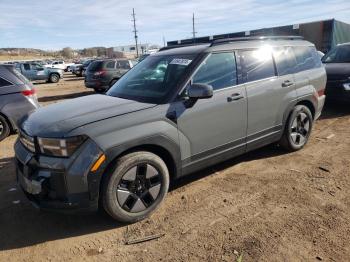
x,y
306,58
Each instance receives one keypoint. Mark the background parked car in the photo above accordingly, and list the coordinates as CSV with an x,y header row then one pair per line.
x,y
79,70
60,65
17,98
102,74
38,72
337,63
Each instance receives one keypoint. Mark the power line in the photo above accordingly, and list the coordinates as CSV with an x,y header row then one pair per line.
x,y
135,32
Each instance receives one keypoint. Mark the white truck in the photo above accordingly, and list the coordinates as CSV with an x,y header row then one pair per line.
x,y
60,65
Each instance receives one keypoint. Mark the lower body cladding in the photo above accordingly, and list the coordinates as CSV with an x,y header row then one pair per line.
x,y
60,184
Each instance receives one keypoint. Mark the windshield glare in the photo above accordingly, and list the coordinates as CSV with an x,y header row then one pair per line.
x,y
153,79
340,54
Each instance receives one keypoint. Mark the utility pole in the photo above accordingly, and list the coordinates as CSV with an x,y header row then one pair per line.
x,y
135,32
164,41
193,29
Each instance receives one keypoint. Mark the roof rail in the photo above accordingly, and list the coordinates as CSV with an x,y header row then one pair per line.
x,y
251,38
178,46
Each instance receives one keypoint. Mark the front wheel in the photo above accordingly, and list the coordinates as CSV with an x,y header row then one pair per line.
x,y
137,186
54,78
298,129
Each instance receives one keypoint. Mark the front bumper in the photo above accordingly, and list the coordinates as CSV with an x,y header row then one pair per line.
x,y
60,184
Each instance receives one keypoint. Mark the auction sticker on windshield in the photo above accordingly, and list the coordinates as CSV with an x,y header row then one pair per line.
x,y
181,61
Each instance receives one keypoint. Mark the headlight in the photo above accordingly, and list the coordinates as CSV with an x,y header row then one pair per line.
x,y
64,147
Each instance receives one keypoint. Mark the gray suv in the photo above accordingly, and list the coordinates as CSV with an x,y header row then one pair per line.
x,y
176,112
102,74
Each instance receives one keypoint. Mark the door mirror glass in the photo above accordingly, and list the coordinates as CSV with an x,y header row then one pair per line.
x,y
200,91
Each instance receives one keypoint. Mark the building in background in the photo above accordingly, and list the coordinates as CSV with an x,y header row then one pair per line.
x,y
324,34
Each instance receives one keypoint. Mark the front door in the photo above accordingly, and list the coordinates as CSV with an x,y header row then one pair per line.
x,y
214,129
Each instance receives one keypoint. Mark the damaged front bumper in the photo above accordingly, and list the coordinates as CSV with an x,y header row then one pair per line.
x,y
60,184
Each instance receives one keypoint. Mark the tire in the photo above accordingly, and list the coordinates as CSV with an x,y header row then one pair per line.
x,y
54,78
124,197
4,128
112,82
297,129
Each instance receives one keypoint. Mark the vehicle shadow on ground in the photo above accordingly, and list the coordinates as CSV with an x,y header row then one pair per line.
x,y
77,78
22,225
66,96
335,109
261,153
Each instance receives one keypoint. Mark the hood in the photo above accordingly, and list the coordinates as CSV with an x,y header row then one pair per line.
x,y
337,71
57,120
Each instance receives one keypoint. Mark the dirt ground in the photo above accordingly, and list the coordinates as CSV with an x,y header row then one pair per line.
x,y
266,205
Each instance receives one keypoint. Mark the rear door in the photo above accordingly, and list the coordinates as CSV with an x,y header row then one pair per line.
x,y
268,95
214,129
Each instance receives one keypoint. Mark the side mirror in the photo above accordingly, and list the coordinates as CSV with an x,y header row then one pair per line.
x,y
200,91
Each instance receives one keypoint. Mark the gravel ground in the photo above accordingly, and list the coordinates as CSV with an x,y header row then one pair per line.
x,y
266,205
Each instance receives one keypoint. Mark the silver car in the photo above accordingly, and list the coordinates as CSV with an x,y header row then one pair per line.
x,y
17,99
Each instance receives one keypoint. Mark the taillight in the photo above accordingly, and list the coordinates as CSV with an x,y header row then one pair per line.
x,y
99,73
29,92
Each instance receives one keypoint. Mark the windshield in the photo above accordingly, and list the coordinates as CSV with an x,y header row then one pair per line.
x,y
153,79
340,54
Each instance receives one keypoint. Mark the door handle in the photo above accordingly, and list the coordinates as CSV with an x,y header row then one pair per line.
x,y
234,97
287,83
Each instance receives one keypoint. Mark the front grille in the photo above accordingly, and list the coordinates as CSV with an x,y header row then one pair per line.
x,y
27,141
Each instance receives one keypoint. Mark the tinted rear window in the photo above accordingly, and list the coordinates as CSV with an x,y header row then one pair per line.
x,y
257,64
4,82
95,66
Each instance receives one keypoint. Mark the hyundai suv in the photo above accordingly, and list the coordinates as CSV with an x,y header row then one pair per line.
x,y
178,111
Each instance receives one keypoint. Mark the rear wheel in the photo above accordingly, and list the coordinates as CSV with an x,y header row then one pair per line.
x,y
4,128
136,188
54,78
298,129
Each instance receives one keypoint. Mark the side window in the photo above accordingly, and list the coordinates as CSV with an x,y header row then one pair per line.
x,y
26,67
340,54
110,65
316,57
257,64
218,70
304,57
285,60
4,82
123,64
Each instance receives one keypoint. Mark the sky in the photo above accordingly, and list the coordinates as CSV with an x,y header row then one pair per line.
x,y
54,24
